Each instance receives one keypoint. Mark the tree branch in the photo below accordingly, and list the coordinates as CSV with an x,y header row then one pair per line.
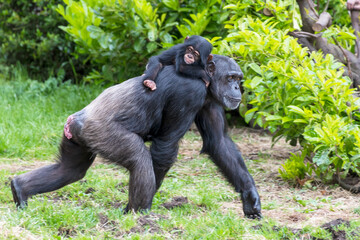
x,y
353,5
323,22
315,42
308,15
327,5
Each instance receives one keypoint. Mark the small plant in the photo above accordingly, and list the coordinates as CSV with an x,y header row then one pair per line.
x,y
296,169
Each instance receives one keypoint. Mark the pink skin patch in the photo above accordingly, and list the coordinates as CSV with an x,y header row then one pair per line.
x,y
150,84
189,59
67,132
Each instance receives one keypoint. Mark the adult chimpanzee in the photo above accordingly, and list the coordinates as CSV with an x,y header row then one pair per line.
x,y
189,58
116,124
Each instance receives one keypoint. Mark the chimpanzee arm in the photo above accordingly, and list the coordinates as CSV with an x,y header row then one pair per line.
x,y
224,153
194,71
156,63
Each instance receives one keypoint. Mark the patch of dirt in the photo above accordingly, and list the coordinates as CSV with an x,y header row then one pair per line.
x,y
66,232
331,227
122,187
117,204
106,223
255,143
16,233
17,165
147,223
175,202
89,190
54,196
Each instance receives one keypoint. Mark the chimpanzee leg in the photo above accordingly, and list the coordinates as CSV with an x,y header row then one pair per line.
x,y
141,184
74,160
163,154
127,149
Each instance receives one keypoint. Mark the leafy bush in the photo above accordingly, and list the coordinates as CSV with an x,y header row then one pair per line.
x,y
29,35
301,97
120,36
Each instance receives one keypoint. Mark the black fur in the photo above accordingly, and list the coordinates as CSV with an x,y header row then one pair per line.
x,y
118,122
175,55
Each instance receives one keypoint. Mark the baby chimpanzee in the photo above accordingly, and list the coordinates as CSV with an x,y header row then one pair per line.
x,y
189,58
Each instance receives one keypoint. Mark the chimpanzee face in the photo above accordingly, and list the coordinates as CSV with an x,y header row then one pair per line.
x,y
226,89
199,48
231,82
191,55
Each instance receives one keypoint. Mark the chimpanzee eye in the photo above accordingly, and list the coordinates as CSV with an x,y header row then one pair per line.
x,y
189,49
196,53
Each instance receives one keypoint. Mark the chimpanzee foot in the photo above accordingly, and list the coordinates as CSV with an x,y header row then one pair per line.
x,y
150,84
257,216
19,199
127,210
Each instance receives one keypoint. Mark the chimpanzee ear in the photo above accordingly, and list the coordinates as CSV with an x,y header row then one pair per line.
x,y
210,57
187,37
210,68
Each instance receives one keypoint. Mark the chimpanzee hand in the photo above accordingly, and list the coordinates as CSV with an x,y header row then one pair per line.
x,y
251,203
150,84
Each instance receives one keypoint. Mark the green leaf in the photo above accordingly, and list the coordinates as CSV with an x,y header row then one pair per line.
x,y
173,4
152,34
95,32
151,46
249,114
243,109
139,45
255,81
273,118
256,68
296,109
166,38
321,159
346,36
286,119
300,121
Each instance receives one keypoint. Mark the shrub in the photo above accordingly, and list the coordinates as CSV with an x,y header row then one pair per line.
x,y
120,36
300,96
29,35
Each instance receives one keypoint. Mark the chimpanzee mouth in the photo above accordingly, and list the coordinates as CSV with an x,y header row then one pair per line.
x,y
232,99
231,102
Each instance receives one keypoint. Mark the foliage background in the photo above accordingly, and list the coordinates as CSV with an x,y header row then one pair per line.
x,y
300,96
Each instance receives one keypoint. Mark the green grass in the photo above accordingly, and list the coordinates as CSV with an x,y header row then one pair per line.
x,y
33,115
75,212
31,124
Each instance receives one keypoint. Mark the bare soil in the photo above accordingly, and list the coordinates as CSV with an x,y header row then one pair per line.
x,y
177,201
